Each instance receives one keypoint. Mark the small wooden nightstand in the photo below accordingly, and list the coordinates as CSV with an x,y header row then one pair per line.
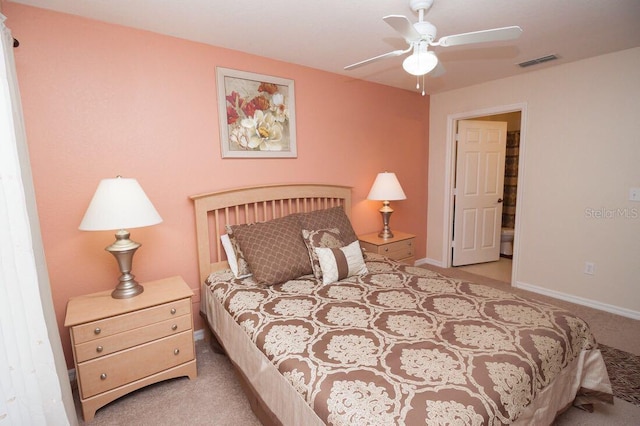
x,y
120,345
399,248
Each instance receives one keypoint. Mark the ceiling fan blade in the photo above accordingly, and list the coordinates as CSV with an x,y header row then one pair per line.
x,y
402,25
496,34
377,58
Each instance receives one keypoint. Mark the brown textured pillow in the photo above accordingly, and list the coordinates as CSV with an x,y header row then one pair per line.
x,y
334,217
320,238
274,250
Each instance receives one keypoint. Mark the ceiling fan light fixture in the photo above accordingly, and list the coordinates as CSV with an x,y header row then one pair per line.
x,y
420,63
421,35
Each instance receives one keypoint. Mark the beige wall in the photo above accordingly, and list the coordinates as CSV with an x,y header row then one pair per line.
x,y
581,154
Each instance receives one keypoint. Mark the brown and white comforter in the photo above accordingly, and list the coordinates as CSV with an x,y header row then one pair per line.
x,y
405,345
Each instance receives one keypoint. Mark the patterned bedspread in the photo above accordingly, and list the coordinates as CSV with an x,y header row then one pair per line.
x,y
405,345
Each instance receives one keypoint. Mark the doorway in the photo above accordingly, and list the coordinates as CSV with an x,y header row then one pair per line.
x,y
505,269
479,185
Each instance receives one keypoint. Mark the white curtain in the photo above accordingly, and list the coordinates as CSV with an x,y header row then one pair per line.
x,y
31,392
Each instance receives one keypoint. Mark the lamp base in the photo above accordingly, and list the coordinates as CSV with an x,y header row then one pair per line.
x,y
127,289
385,234
385,211
123,249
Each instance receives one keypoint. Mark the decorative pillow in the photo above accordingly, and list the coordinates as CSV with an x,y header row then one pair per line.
x,y
231,257
322,238
334,217
243,266
340,263
274,250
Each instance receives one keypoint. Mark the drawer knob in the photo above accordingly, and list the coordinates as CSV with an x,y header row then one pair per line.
x,y
176,351
97,330
174,327
173,311
103,376
386,249
99,349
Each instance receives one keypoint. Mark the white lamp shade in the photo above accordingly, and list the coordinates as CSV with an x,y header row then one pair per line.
x,y
420,63
119,203
386,188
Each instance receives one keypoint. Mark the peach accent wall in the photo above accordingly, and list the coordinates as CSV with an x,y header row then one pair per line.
x,y
101,100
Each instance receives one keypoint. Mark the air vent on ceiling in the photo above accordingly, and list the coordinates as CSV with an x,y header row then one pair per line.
x,y
538,61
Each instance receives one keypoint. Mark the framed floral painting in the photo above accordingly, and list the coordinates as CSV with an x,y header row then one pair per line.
x,y
257,115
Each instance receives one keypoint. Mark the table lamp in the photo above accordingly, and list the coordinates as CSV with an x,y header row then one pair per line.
x,y
120,203
386,188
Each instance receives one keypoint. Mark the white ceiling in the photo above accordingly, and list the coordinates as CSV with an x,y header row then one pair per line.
x,y
330,34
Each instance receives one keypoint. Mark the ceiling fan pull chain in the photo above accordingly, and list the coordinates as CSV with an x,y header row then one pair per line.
x,y
418,83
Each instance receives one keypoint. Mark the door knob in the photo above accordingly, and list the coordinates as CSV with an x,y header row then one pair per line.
x,y
500,200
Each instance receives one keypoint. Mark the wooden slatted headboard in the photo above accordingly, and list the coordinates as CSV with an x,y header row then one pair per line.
x,y
255,204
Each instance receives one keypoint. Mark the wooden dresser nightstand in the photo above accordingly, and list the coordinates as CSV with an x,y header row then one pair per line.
x,y
399,248
120,345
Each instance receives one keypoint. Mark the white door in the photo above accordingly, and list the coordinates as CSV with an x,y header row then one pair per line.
x,y
478,191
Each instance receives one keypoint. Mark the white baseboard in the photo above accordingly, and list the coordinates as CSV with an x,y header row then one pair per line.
x,y
429,261
624,312
197,335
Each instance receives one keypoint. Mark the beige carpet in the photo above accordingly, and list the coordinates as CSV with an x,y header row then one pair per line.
x,y
215,397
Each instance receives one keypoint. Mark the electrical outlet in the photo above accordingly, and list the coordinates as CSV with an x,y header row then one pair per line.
x,y
589,268
634,194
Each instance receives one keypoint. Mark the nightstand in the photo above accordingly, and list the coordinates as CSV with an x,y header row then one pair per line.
x,y
120,345
399,248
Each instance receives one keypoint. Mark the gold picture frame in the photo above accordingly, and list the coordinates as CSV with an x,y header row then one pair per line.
x,y
257,115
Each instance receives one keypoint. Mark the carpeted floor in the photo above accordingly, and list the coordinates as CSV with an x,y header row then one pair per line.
x,y
624,373
215,397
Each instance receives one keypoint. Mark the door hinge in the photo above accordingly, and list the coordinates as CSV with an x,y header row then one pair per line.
x,y
455,191
457,137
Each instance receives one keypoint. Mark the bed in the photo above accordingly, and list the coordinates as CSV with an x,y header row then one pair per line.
x,y
361,339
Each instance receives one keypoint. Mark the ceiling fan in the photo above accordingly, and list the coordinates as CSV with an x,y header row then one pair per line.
x,y
422,34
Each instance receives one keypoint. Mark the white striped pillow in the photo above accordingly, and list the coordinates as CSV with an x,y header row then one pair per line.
x,y
340,263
